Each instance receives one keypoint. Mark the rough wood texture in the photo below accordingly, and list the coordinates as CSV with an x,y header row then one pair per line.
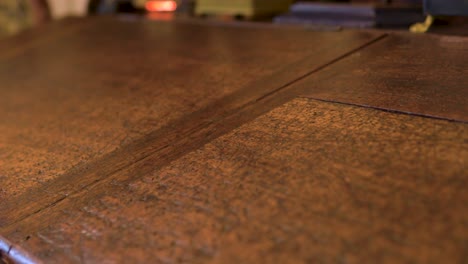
x,y
308,182
73,98
117,145
423,75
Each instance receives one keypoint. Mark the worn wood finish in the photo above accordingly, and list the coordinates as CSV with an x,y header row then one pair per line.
x,y
77,98
309,181
117,145
423,75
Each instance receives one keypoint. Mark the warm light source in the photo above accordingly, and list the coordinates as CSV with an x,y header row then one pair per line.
x,y
161,6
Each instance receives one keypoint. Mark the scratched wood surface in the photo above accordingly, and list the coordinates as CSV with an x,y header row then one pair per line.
x,y
78,95
309,181
424,75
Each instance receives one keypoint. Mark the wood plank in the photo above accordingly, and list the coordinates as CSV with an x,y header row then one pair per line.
x,y
40,36
75,110
423,75
308,182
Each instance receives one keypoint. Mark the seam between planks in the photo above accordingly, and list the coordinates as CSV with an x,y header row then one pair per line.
x,y
396,111
211,129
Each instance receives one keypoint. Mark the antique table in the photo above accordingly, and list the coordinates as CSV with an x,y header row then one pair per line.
x,y
125,140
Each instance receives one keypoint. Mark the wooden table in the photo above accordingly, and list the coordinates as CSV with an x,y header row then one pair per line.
x,y
126,140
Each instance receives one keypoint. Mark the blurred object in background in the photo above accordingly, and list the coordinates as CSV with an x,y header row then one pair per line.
x,y
241,8
185,7
16,15
158,5
358,14
446,7
141,6
65,8
158,9
153,9
112,6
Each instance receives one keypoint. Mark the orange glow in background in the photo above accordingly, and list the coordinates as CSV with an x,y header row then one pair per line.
x,y
161,6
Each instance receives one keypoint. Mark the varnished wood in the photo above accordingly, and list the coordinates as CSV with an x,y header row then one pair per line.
x,y
425,75
309,181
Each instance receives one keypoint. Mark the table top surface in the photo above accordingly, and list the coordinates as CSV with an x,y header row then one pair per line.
x,y
128,140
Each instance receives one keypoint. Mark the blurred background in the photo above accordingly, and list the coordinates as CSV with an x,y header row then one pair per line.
x,y
18,15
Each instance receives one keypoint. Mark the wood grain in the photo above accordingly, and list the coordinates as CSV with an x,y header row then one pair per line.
x,y
308,182
424,75
125,140
82,107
